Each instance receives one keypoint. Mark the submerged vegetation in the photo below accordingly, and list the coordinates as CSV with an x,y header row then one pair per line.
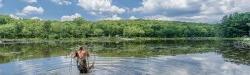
x,y
143,49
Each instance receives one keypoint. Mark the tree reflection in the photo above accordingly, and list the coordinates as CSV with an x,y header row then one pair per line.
x,y
232,52
15,52
141,49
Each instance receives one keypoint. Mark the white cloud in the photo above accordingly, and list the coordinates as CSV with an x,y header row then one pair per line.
x,y
198,18
1,3
70,17
36,18
224,6
114,17
229,66
214,10
100,7
132,18
62,2
14,16
31,10
149,6
201,18
30,1
192,10
157,17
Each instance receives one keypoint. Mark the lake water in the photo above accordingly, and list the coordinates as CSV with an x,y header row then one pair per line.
x,y
171,57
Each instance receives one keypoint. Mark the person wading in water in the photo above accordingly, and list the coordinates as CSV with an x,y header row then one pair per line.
x,y
82,57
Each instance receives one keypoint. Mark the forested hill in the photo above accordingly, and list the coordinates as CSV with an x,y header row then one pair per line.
x,y
233,25
79,28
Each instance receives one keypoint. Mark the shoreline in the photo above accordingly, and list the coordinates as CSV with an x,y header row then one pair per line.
x,y
109,39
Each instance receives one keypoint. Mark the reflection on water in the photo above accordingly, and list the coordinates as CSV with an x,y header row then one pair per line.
x,y
177,57
233,53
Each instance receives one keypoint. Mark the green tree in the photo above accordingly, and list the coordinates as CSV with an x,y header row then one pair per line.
x,y
235,25
18,30
46,29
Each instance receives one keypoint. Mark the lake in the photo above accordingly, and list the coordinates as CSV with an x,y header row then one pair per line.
x,y
155,57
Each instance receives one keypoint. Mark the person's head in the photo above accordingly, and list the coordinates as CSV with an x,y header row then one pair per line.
x,y
81,48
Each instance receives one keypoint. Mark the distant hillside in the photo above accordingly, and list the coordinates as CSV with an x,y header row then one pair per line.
x,y
80,28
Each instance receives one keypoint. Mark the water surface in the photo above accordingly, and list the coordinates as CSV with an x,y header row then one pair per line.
x,y
172,57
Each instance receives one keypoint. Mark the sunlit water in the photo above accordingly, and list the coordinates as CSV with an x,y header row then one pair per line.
x,y
143,58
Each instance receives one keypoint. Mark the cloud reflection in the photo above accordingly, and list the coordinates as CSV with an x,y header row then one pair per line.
x,y
191,64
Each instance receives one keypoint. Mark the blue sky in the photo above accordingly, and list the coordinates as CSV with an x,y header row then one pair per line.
x,y
207,11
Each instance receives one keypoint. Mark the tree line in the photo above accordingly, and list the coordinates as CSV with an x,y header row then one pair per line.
x,y
234,25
